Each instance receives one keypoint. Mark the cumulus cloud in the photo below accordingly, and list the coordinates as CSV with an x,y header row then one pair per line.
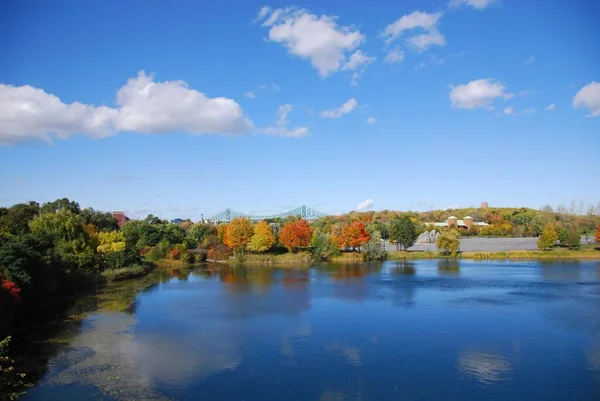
x,y
346,108
477,4
422,26
478,93
316,38
394,56
551,107
280,127
143,106
366,204
589,97
371,120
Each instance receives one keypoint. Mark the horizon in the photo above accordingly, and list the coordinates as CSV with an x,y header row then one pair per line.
x,y
186,111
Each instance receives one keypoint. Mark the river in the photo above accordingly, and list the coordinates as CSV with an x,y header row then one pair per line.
x,y
422,330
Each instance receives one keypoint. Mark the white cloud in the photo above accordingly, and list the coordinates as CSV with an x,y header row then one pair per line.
x,y
262,13
346,108
551,107
366,204
417,20
250,95
477,4
143,106
589,97
530,60
509,111
280,127
426,40
146,106
478,93
357,61
371,120
394,56
317,38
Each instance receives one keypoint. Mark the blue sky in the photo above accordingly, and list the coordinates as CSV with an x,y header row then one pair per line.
x,y
178,110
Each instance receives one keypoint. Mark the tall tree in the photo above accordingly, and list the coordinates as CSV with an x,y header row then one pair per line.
x,y
448,242
263,238
238,233
548,238
322,246
295,235
403,232
353,235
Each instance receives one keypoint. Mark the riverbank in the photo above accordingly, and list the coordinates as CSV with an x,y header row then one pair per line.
x,y
128,272
586,253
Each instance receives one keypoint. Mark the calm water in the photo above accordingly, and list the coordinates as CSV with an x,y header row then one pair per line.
x,y
428,330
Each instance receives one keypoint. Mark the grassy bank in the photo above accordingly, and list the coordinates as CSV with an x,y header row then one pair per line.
x,y
348,257
126,273
587,253
300,258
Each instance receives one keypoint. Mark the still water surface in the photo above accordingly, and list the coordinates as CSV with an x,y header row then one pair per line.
x,y
424,330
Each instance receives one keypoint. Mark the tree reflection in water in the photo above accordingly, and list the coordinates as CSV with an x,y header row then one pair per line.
x,y
448,267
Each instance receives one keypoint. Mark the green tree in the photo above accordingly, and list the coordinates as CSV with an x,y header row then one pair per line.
x,y
563,236
15,220
322,247
573,239
548,238
403,232
61,204
448,243
374,249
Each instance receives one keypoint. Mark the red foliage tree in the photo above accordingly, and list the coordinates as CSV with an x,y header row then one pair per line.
x,y
295,235
353,235
12,289
597,236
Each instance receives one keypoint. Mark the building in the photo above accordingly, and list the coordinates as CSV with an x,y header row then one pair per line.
x,y
466,223
484,205
121,218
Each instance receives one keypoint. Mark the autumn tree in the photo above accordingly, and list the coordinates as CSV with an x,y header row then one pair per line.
x,y
353,235
263,238
111,244
597,235
238,234
295,235
548,238
448,242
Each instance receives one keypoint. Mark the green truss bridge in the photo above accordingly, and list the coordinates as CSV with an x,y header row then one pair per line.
x,y
303,211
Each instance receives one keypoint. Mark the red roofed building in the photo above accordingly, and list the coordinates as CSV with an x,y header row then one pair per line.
x,y
121,218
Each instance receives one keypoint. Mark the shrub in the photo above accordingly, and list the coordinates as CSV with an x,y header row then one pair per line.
x,y
125,273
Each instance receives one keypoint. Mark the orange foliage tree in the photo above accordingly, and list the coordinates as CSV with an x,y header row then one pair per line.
x,y
597,236
295,235
353,235
238,233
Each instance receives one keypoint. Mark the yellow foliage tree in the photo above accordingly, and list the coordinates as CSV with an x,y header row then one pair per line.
x,y
110,242
238,233
263,238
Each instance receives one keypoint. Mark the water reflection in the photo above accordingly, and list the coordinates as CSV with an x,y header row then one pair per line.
x,y
404,268
486,367
448,267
